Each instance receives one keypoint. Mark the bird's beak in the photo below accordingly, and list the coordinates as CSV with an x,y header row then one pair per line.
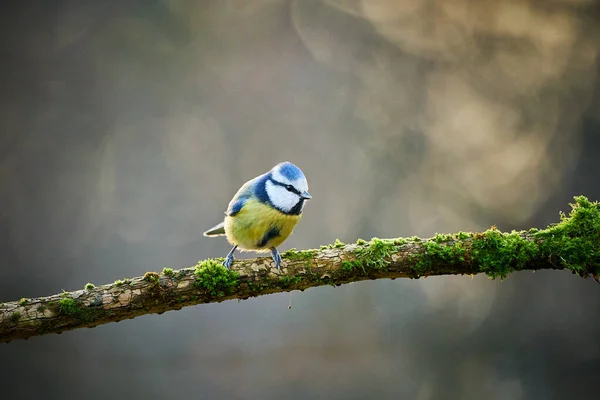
x,y
306,195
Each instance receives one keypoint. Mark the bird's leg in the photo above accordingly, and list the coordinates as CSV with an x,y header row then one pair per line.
x,y
229,258
277,258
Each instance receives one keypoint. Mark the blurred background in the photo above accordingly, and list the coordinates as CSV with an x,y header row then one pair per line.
x,y
127,126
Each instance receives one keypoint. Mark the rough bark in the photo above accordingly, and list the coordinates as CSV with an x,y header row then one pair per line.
x,y
573,244
157,293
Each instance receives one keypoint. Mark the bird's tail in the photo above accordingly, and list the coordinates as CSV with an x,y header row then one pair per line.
x,y
217,230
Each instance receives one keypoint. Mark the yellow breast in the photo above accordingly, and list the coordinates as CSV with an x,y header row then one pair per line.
x,y
259,226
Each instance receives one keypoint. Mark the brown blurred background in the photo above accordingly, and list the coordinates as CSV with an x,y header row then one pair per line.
x,y
126,127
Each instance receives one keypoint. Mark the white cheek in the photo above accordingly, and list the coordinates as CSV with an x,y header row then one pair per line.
x,y
281,197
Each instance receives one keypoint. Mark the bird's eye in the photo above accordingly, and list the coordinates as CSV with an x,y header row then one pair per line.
x,y
290,188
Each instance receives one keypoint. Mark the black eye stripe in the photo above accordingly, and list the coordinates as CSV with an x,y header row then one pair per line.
x,y
286,186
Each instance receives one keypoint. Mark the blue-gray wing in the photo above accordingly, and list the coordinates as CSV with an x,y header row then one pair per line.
x,y
237,203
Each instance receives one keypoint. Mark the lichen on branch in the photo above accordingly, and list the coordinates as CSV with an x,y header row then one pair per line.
x,y
572,244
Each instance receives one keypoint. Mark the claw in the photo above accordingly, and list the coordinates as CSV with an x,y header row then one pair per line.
x,y
277,258
229,258
228,261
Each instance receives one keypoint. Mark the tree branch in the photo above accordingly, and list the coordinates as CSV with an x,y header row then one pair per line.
x,y
573,244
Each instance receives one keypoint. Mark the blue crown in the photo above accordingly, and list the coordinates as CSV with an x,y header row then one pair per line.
x,y
290,171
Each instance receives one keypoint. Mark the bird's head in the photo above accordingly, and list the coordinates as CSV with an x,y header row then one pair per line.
x,y
287,188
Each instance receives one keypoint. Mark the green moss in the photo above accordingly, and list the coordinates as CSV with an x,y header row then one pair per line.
x,y
347,266
287,281
23,301
168,271
70,307
214,278
15,316
338,244
67,306
400,241
152,277
350,266
119,282
497,254
441,238
463,235
89,286
436,252
41,308
372,256
298,255
574,243
492,252
361,242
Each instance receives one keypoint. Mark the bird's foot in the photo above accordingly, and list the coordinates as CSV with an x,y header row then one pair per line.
x,y
228,261
229,258
277,258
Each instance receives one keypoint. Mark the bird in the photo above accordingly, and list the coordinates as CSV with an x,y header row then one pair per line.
x,y
264,212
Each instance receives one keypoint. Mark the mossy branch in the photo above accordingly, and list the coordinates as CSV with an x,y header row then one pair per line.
x,y
572,244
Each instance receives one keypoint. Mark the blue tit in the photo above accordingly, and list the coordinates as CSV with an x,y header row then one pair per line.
x,y
264,212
